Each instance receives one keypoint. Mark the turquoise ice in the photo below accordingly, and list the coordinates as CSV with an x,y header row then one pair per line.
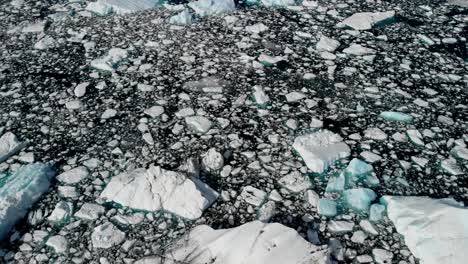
x,y
19,191
356,171
336,184
359,199
212,7
397,116
182,19
327,207
376,212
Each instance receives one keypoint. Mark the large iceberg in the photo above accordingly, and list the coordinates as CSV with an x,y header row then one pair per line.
x,y
435,230
321,149
9,146
252,243
212,7
19,191
155,189
121,7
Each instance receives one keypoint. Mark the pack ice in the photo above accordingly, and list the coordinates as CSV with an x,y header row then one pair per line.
x,y
19,191
435,230
155,189
321,149
252,243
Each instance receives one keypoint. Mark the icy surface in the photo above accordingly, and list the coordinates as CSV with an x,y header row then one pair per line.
x,y
295,182
359,199
212,7
155,189
19,191
9,145
251,243
435,230
111,60
397,116
321,149
106,236
120,7
367,20
183,18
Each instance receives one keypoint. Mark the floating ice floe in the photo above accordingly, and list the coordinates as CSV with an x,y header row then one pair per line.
x,y
396,116
155,189
260,96
251,243
9,146
121,7
74,175
327,44
327,207
212,7
359,199
367,20
183,18
19,191
321,149
253,195
295,182
111,60
198,124
435,230
107,235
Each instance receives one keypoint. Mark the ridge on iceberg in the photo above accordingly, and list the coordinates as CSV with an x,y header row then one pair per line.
x,y
19,191
251,243
155,189
435,230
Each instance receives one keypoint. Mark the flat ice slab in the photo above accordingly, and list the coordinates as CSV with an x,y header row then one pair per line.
x,y
19,191
155,189
252,243
435,230
321,149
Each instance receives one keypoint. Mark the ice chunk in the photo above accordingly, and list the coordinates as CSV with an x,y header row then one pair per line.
x,y
121,7
251,243
19,191
184,18
336,184
266,211
107,235
359,199
155,189
110,61
415,137
375,133
9,146
253,195
376,212
397,116
321,149
340,226
278,2
198,124
357,171
35,27
451,167
269,60
260,97
295,182
90,211
46,42
435,230
61,213
460,152
256,28
367,20
327,44
327,207
212,7
213,160
358,50
154,111
73,176
58,243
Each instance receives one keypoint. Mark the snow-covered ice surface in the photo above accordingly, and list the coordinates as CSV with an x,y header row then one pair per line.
x,y
435,230
300,113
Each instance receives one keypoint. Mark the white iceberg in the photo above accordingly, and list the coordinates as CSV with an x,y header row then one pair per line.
x,y
321,149
121,7
212,7
435,230
155,189
19,191
252,243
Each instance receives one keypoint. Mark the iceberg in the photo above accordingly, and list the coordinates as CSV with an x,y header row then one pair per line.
x,y
278,2
155,189
212,7
251,243
435,230
9,146
121,7
321,149
19,191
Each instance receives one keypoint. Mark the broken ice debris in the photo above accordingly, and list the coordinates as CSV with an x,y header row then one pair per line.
x,y
415,137
269,60
336,183
184,18
266,211
256,28
120,7
212,7
295,182
327,44
358,50
327,207
367,20
199,124
155,189
376,212
460,152
435,230
61,213
107,235
260,97
111,60
19,191
321,149
396,116
213,160
46,42
340,226
451,167
279,245
358,171
278,2
73,176
359,199
9,146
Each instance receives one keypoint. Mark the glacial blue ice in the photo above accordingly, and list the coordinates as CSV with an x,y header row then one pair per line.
x,y
396,116
121,7
327,207
359,199
376,212
183,18
19,191
212,7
